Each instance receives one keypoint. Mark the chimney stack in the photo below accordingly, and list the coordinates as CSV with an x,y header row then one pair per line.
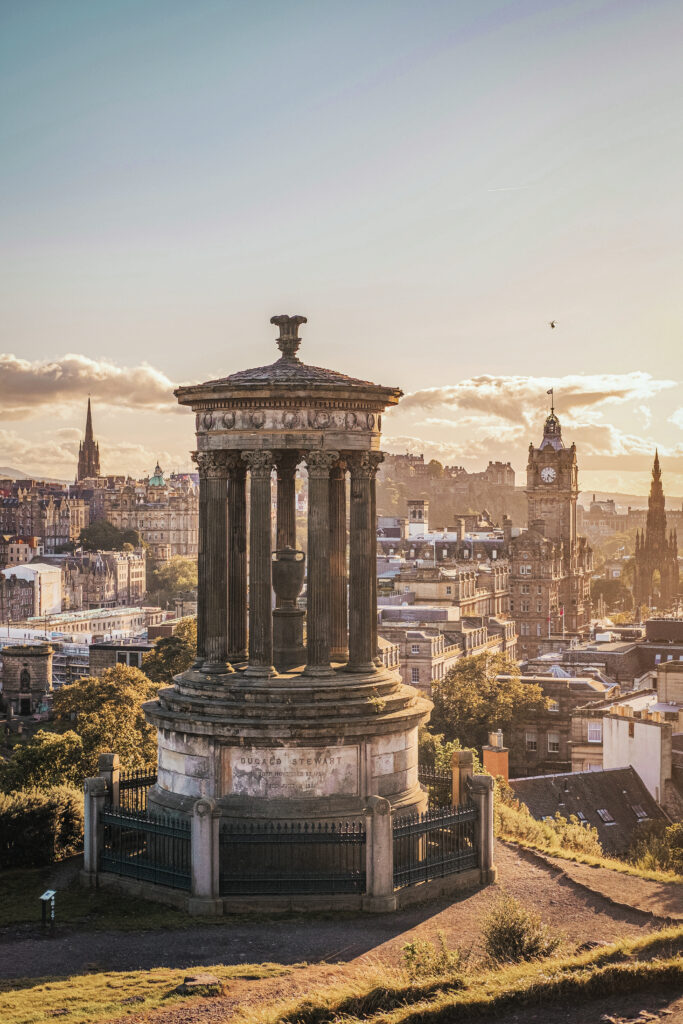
x,y
495,756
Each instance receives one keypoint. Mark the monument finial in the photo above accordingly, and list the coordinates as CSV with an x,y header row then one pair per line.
x,y
288,341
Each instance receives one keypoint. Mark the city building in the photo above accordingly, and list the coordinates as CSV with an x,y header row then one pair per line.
x,y
47,585
656,575
550,565
18,550
164,512
17,599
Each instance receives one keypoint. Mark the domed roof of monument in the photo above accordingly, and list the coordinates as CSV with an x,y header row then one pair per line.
x,y
289,370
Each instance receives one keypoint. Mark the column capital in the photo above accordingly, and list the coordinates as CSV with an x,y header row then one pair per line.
x,y
211,465
365,464
260,462
320,463
235,464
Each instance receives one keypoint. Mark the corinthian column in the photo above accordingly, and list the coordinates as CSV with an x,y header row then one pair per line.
x,y
237,558
339,642
318,600
363,564
285,533
260,465
212,602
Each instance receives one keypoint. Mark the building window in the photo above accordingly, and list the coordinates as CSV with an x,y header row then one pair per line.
x,y
414,648
553,705
639,812
415,675
631,730
605,815
595,732
449,590
538,629
553,742
531,742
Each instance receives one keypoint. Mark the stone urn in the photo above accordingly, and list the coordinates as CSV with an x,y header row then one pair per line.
x,y
289,570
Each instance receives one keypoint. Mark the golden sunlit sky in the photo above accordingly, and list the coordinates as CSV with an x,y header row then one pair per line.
x,y
429,183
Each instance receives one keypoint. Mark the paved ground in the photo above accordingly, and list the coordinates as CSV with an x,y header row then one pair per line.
x,y
569,908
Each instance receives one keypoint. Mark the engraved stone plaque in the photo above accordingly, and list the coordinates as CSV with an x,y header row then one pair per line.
x,y
291,771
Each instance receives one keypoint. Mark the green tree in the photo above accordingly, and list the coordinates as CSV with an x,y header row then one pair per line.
x,y
616,596
106,712
472,700
436,752
104,536
48,759
172,654
167,580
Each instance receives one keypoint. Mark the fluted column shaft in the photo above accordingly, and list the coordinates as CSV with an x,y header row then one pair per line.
x,y
212,623
362,564
285,532
260,465
237,558
339,645
318,600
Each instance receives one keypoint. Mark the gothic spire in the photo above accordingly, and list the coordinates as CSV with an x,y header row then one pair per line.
x,y
88,424
89,451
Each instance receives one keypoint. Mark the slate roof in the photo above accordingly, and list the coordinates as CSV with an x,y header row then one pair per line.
x,y
620,792
290,370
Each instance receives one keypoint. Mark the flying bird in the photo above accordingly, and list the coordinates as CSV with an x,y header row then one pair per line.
x,y
552,323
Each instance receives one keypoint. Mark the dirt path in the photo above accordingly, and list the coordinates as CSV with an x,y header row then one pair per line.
x,y
349,938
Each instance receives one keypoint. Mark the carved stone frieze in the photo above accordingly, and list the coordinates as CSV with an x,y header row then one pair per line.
x,y
309,418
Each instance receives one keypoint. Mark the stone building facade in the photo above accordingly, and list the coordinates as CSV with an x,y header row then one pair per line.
x,y
550,565
17,598
88,452
165,513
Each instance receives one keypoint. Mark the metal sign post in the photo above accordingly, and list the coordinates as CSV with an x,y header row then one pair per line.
x,y
48,897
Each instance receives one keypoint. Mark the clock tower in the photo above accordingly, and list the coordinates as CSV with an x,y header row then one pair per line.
x,y
552,485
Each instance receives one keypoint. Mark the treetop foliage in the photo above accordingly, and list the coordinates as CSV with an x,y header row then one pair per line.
x,y
172,654
104,536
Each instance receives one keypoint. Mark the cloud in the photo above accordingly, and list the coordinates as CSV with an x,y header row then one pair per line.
x,y
677,418
28,387
518,399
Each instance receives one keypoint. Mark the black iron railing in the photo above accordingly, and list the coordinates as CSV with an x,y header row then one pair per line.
x,y
146,848
292,857
434,844
439,785
133,788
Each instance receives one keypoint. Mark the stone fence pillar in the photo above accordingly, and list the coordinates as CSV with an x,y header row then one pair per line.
x,y
481,788
462,769
95,791
108,769
379,856
204,854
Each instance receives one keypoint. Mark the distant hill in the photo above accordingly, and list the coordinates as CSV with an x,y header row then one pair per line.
x,y
7,473
634,500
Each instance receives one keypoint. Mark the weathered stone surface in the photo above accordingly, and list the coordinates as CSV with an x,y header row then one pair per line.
x,y
291,771
202,984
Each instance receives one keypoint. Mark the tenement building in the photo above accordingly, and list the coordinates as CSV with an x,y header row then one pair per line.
x,y
656,576
550,565
265,725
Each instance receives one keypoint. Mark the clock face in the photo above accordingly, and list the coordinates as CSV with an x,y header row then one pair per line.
x,y
548,474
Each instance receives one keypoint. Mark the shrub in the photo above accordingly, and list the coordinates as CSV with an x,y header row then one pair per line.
x,y
38,827
511,933
658,847
423,959
47,760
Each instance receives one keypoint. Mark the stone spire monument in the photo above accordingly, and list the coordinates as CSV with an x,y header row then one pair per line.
x,y
264,726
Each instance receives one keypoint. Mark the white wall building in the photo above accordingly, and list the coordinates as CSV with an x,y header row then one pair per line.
x,y
47,589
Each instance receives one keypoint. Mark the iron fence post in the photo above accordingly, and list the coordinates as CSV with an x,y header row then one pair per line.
x,y
379,851
204,858
482,796
95,791
108,769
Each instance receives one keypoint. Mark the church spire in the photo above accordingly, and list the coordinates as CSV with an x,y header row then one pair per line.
x,y
89,451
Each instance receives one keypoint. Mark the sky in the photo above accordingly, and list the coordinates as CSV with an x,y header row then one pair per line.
x,y
430,183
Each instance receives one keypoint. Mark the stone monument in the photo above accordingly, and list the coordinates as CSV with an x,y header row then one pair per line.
x,y
260,725
26,677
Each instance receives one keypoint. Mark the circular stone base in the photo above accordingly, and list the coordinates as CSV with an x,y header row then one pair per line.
x,y
294,746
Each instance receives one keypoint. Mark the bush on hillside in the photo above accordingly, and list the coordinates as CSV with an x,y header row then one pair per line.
x,y
38,827
658,847
423,959
511,934
48,759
